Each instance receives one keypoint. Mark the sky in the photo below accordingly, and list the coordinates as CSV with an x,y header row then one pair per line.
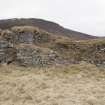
x,y
87,16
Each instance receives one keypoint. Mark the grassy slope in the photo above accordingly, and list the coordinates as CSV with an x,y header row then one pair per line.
x,y
81,84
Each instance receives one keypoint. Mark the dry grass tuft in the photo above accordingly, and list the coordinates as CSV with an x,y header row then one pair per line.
x,y
22,29
81,84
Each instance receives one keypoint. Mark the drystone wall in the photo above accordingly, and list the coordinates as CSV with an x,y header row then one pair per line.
x,y
27,55
25,47
7,53
77,52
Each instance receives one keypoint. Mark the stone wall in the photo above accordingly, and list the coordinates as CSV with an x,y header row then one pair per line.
x,y
32,57
24,38
77,52
32,47
7,53
12,52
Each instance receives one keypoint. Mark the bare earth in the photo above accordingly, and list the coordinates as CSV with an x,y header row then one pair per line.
x,y
74,85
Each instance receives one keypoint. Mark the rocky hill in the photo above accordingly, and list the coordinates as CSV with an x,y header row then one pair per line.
x,y
32,46
45,25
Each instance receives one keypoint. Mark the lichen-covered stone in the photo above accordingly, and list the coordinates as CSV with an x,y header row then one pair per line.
x,y
38,38
31,57
4,44
24,38
30,46
29,34
7,55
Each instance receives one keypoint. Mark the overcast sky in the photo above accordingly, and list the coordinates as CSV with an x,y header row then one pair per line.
x,y
86,16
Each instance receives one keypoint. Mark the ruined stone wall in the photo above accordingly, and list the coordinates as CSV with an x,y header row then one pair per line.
x,y
31,57
77,52
7,53
25,46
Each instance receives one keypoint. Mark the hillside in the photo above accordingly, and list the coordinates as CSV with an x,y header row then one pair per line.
x,y
39,67
82,84
45,25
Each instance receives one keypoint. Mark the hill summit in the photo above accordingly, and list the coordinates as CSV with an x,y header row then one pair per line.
x,y
48,26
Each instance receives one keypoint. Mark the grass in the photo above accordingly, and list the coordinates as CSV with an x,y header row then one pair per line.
x,y
20,29
58,70
56,85
93,42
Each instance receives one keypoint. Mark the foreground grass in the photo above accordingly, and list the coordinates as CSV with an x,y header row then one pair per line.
x,y
81,84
